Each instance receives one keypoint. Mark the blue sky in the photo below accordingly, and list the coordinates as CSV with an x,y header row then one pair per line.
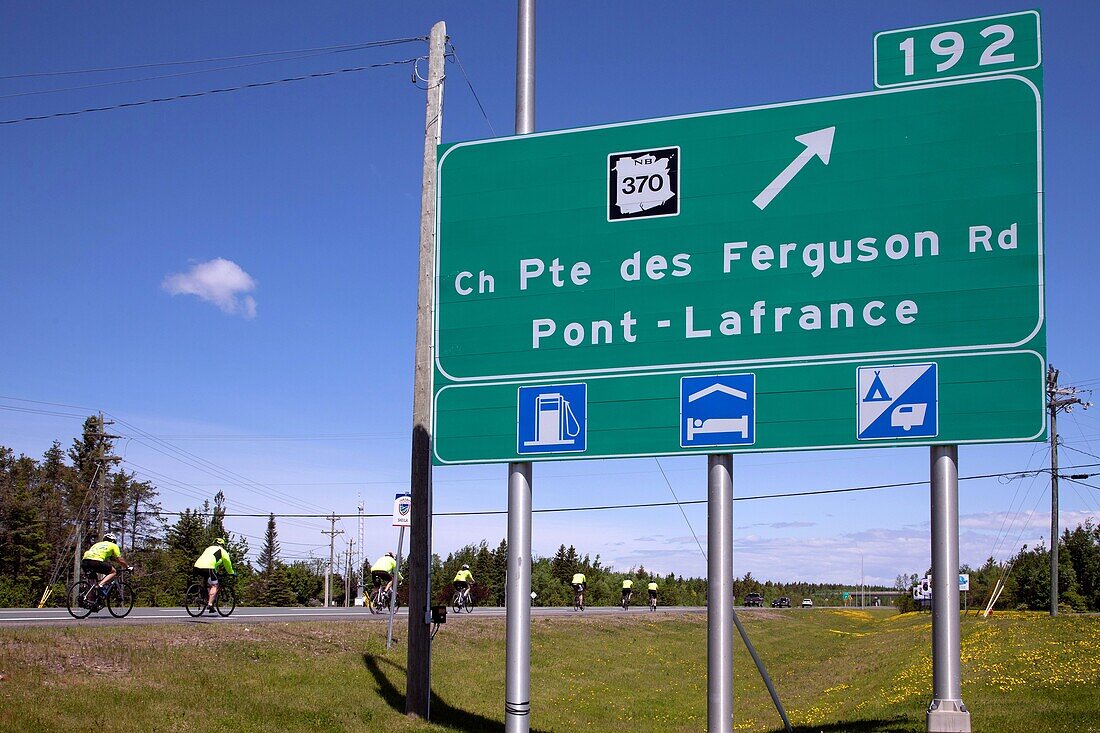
x,y
235,274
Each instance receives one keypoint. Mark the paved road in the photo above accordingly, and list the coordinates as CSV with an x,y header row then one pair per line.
x,y
14,617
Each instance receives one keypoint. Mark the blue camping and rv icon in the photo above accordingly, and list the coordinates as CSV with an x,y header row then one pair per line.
x,y
552,419
897,401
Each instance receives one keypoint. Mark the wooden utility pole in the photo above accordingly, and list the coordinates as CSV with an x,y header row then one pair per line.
x,y
331,557
1058,398
419,660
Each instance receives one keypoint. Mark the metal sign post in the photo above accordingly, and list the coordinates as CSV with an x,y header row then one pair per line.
x,y
396,584
402,517
946,713
720,594
517,647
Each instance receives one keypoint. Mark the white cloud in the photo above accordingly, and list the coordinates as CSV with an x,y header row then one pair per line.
x,y
218,281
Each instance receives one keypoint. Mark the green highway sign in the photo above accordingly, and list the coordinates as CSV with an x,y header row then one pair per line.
x,y
857,270
967,48
981,398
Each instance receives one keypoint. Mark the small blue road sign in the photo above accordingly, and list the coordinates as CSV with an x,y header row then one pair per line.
x,y
552,419
718,410
897,401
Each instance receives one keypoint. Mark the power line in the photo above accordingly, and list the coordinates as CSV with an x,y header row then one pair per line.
x,y
117,82
342,47
650,505
35,411
219,472
206,93
454,54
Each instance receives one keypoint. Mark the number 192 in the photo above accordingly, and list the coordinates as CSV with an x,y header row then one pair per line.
x,y
950,46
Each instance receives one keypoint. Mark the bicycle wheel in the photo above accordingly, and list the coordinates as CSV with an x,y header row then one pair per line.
x,y
376,601
576,602
75,598
120,601
468,605
456,603
195,600
226,600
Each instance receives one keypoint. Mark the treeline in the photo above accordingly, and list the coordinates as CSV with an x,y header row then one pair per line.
x,y
1026,576
551,576
54,508
49,506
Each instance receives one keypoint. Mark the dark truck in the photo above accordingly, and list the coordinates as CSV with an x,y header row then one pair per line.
x,y
754,599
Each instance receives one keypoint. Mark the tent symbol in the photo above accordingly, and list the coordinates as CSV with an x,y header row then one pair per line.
x,y
877,392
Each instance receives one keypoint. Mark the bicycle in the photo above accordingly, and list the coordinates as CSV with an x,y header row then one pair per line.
x,y
83,598
653,602
578,604
225,600
461,601
626,600
380,600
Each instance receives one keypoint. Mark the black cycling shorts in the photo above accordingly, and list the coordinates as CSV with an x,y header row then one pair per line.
x,y
209,575
579,587
101,567
627,591
653,594
380,578
461,585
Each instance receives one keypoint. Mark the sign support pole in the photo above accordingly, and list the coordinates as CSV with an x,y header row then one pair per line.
x,y
517,679
946,713
517,601
720,594
419,660
396,585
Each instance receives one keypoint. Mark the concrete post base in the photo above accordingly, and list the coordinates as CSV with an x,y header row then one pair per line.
x,y
947,716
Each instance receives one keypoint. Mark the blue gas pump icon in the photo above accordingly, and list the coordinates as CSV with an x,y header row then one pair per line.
x,y
552,419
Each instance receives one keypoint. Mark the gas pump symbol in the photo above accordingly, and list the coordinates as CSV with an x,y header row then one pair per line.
x,y
555,423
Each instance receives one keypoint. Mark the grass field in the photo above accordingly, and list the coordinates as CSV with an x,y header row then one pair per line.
x,y
835,671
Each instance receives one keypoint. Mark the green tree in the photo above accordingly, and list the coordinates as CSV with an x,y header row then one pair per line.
x,y
1082,548
24,556
271,586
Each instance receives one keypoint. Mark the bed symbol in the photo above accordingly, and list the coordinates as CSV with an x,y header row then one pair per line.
x,y
695,426
717,410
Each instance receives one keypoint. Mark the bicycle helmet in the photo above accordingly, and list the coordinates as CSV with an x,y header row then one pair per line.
x,y
389,554
110,537
465,567
220,541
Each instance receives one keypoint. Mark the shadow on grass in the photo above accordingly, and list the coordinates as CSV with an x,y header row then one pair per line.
x,y
442,713
894,725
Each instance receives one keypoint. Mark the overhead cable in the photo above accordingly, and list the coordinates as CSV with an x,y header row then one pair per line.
x,y
206,93
339,48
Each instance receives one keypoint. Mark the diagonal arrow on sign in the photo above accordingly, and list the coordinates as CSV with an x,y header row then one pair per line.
x,y
819,143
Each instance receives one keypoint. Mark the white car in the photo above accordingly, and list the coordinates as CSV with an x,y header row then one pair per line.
x,y
807,602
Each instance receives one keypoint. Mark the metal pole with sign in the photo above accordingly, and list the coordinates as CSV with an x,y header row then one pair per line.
x,y
946,713
402,517
720,594
517,647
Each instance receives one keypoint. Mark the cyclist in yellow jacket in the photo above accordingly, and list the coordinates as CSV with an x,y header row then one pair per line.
x,y
652,595
462,582
97,559
384,570
213,558
580,583
628,590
